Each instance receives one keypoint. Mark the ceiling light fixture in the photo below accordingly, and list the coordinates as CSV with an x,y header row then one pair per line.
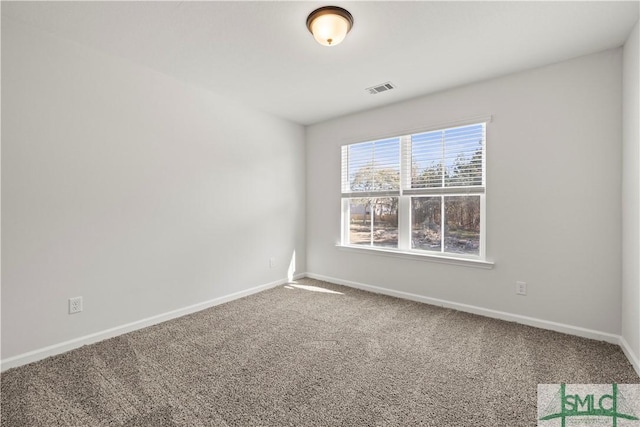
x,y
329,25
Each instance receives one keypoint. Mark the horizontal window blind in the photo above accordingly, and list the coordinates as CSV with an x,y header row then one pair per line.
x,y
371,169
447,161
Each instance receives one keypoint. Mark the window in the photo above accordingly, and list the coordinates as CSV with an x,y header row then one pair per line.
x,y
420,193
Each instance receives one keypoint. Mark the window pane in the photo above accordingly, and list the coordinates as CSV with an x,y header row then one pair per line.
x,y
463,150
374,222
426,223
385,221
374,166
448,158
360,221
426,160
462,230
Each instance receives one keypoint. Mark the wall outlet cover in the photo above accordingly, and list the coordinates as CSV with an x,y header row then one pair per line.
x,y
75,305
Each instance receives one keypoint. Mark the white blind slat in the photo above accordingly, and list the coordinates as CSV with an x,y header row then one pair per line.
x,y
441,190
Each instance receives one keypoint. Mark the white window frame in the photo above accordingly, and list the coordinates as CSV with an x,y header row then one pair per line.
x,y
404,195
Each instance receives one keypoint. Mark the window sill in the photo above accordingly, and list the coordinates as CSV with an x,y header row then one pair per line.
x,y
444,259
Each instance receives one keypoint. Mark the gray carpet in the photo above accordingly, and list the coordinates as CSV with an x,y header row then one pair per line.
x,y
297,357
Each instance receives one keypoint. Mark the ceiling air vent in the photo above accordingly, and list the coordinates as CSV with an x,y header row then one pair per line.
x,y
380,88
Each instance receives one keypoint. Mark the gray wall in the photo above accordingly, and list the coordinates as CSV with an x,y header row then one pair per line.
x,y
553,194
133,190
630,195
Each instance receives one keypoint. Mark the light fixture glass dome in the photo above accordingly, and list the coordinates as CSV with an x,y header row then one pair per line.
x,y
329,25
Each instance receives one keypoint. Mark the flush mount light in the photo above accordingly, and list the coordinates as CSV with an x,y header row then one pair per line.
x,y
329,25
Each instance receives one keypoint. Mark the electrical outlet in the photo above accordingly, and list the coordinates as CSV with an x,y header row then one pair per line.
x,y
272,262
75,305
521,288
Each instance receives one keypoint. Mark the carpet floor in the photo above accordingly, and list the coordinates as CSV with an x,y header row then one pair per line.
x,y
310,354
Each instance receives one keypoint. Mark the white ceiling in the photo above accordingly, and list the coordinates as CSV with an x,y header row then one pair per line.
x,y
262,54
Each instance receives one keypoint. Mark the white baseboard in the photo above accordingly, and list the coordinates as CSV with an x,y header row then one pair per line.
x,y
633,358
42,353
525,320
52,350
